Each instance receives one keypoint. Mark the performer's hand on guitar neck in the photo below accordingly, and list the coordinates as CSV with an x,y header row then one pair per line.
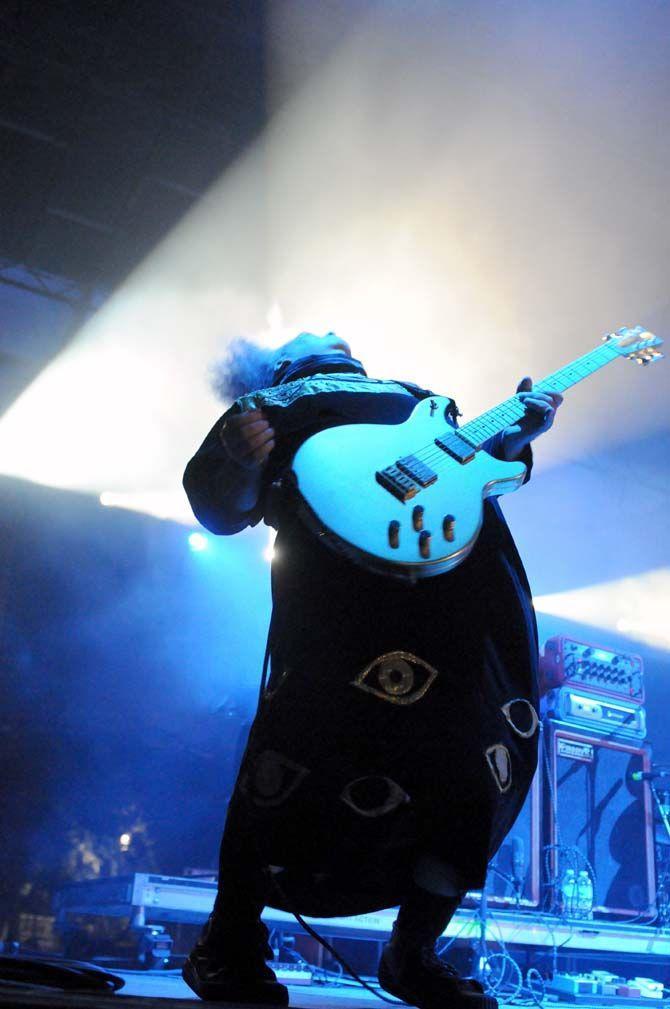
x,y
540,413
248,440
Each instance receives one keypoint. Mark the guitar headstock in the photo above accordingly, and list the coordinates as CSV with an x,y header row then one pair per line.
x,y
637,343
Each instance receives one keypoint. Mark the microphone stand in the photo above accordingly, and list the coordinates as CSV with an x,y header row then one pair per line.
x,y
662,809
479,946
661,889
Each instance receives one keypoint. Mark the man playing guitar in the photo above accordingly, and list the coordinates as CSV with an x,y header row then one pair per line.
x,y
397,737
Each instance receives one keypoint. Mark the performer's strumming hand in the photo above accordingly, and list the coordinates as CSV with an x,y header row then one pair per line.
x,y
540,413
248,438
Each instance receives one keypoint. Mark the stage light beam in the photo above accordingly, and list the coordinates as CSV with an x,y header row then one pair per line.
x,y
269,554
198,542
636,607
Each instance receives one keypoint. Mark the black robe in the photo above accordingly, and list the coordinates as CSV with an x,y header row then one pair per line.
x,y
399,719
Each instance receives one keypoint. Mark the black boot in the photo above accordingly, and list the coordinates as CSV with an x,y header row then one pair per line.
x,y
228,964
410,968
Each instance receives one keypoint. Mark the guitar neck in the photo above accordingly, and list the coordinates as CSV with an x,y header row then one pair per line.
x,y
511,410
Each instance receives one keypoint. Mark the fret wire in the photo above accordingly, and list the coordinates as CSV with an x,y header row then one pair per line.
x,y
582,367
494,420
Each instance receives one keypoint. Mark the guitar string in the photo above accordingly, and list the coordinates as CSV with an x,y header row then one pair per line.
x,y
582,367
497,418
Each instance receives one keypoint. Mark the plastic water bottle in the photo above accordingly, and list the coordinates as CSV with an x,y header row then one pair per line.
x,y
584,895
569,893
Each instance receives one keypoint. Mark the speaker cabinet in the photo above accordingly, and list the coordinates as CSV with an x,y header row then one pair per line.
x,y
592,803
516,866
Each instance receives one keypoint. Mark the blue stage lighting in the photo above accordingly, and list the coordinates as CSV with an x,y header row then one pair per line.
x,y
198,542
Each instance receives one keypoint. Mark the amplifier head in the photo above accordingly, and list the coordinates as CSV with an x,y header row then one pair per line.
x,y
591,668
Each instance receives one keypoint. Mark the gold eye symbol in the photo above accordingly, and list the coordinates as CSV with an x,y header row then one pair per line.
x,y
522,716
273,687
398,677
500,765
374,795
270,778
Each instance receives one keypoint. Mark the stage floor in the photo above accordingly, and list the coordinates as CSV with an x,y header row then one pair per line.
x,y
166,989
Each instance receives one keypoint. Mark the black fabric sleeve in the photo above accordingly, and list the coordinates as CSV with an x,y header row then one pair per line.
x,y
494,447
210,477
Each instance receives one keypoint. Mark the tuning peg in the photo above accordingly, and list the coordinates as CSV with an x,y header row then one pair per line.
x,y
607,336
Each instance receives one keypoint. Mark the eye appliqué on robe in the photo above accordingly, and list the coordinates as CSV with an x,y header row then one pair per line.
x,y
374,795
398,677
522,716
500,765
275,685
271,778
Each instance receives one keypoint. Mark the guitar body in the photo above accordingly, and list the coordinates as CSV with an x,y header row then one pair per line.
x,y
335,472
391,499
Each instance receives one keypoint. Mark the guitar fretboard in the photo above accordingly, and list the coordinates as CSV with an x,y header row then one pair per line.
x,y
488,424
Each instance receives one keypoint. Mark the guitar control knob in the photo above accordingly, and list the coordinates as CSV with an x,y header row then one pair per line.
x,y
417,517
424,544
394,534
448,523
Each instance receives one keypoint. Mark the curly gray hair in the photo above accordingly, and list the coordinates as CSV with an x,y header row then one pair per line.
x,y
244,367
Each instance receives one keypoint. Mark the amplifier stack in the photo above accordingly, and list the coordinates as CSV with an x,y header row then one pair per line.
x,y
589,801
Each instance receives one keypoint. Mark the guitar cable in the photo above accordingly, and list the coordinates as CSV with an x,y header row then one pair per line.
x,y
274,884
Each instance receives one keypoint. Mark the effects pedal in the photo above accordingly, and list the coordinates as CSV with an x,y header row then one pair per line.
x,y
292,973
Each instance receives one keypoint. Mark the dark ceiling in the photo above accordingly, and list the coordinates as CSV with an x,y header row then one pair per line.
x,y
115,116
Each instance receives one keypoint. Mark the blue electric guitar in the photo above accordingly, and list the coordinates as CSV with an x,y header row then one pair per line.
x,y
406,499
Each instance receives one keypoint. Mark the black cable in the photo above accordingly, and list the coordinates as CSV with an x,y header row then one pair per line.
x,y
54,972
284,900
331,949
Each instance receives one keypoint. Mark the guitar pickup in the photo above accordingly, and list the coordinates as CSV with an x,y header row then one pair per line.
x,y
455,446
417,470
397,482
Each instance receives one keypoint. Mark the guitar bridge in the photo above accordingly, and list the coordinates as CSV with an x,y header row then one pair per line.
x,y
397,482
